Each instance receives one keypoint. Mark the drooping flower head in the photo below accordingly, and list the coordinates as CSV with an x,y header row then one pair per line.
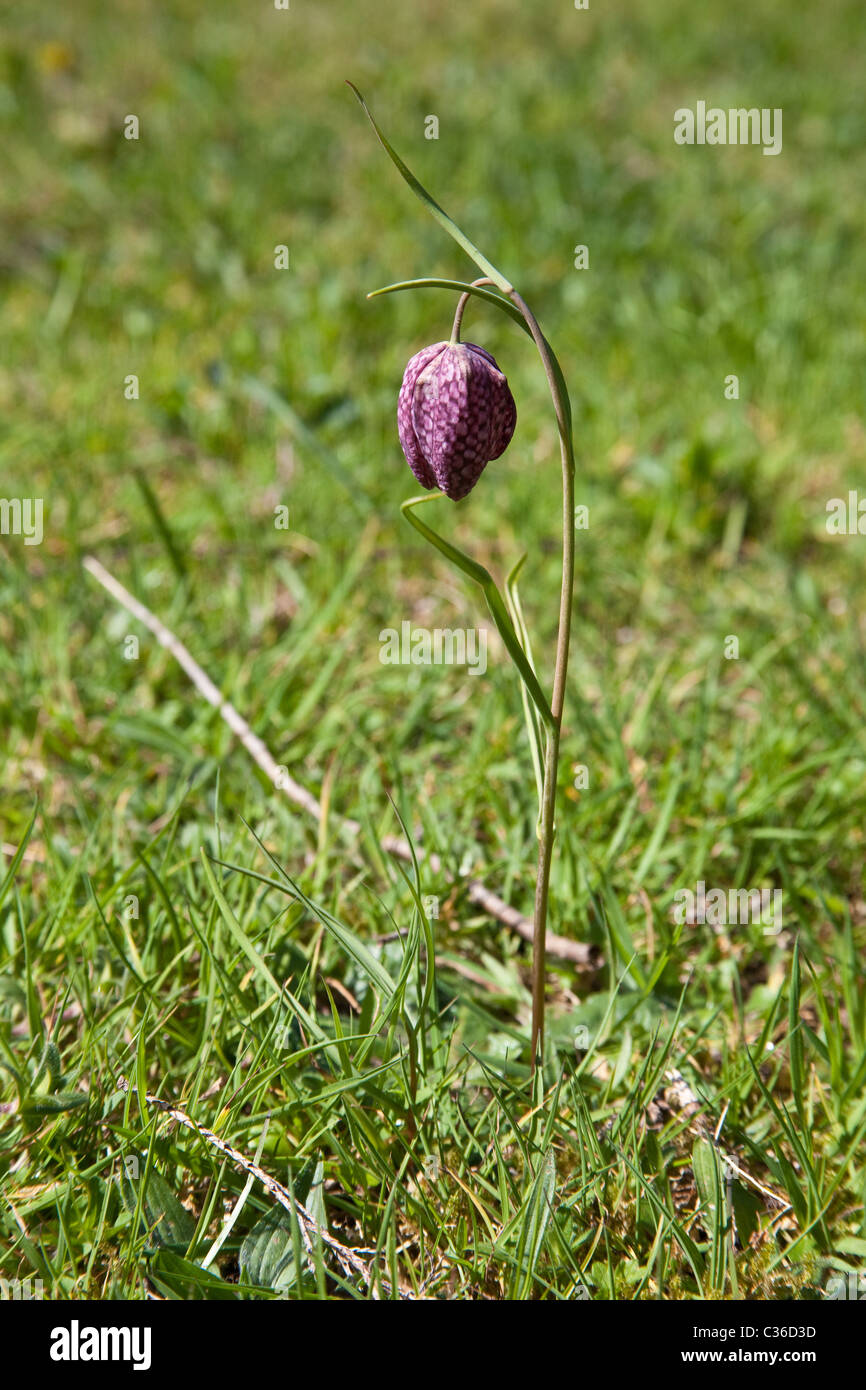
x,y
455,413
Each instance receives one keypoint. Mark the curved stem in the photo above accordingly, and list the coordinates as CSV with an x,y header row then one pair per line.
x,y
461,305
460,286
547,827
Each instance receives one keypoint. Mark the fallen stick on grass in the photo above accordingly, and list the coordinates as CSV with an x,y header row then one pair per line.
x,y
349,1259
559,946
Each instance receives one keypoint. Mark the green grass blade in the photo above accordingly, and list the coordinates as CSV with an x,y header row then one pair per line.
x,y
236,930
796,1051
17,857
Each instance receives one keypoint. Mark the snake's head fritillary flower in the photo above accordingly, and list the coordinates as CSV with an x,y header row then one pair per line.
x,y
454,415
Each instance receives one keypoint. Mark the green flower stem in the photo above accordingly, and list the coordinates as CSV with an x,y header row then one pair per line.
x,y
547,829
461,305
552,713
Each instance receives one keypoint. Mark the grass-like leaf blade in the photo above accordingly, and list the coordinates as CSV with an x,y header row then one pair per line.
x,y
433,207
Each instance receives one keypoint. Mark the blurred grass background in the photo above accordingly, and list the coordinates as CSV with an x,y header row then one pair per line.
x,y
155,257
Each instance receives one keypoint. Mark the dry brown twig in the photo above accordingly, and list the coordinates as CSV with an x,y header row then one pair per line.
x,y
578,952
681,1099
349,1259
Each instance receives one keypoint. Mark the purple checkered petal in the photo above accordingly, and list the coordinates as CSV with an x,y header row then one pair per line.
x,y
454,414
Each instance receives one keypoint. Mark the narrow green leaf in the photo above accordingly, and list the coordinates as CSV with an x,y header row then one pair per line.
x,y
460,287
747,1207
433,207
54,1105
660,831
495,602
530,713
48,1074
351,944
793,1187
682,1237
706,1166
181,1279
157,516
236,929
620,935
536,1219
9,877
795,1045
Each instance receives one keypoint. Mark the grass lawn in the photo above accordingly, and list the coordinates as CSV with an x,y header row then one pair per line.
x,y
220,435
